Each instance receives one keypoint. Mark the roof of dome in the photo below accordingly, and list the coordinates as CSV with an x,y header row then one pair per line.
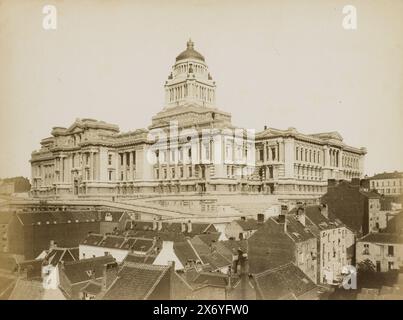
x,y
190,53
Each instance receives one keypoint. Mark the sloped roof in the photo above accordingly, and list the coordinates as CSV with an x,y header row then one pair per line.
x,y
55,255
79,271
136,281
383,238
27,290
387,175
56,217
248,224
133,257
284,282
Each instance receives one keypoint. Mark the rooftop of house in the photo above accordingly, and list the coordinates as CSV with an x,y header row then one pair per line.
x,y
387,175
56,217
248,224
119,242
317,217
284,282
140,258
93,287
136,281
86,269
386,238
270,246
55,255
173,227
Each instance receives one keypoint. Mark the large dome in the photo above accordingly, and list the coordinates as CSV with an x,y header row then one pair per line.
x,y
190,53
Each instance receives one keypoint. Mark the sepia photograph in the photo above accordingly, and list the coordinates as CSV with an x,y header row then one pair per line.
x,y
202,151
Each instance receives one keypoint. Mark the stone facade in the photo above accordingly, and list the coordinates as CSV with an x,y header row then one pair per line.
x,y
190,147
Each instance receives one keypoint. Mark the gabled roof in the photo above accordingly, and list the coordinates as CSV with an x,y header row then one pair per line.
x,y
119,242
55,217
55,255
383,238
248,224
80,271
136,281
387,175
284,282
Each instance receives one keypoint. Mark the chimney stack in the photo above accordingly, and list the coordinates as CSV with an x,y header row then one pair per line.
x,y
260,218
52,244
110,273
331,182
355,182
189,226
159,223
183,227
154,224
324,210
300,215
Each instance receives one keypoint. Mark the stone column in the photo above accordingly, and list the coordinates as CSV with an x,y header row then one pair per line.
x,y
91,169
131,164
289,157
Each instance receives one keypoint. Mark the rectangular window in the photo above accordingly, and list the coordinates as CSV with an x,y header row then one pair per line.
x,y
390,251
109,159
110,175
190,172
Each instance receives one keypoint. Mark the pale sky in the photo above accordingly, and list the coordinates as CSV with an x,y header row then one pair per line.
x,y
276,63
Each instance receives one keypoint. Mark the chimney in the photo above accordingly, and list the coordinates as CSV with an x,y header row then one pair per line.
x,y
324,210
52,244
190,226
265,127
331,182
108,217
243,260
300,215
284,209
159,225
243,218
110,273
183,227
154,224
235,262
260,218
285,225
281,218
355,182
171,280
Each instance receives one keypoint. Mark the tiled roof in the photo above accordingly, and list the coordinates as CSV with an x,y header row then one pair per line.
x,y
78,271
55,255
216,260
174,227
284,282
248,224
387,175
56,217
119,242
269,247
383,238
216,279
133,257
136,281
185,252
297,231
92,287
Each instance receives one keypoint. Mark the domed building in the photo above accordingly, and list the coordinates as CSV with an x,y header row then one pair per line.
x,y
190,147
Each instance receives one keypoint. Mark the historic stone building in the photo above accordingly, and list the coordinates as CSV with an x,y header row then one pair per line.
x,y
190,147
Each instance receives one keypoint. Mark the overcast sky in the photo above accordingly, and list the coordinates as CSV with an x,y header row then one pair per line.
x,y
276,63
